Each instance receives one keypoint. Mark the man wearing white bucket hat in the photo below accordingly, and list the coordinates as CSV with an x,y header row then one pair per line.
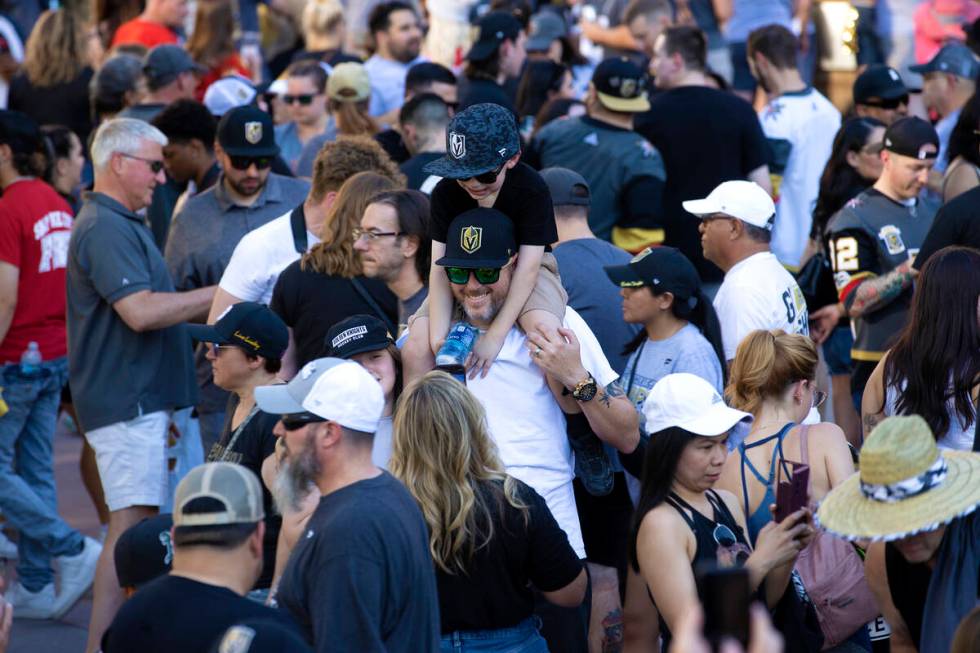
x,y
917,505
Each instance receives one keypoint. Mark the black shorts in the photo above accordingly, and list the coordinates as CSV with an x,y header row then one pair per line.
x,y
606,524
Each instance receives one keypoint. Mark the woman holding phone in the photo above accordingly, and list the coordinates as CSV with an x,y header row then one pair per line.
x,y
682,522
772,377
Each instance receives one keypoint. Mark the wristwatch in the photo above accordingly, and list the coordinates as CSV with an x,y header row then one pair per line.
x,y
585,390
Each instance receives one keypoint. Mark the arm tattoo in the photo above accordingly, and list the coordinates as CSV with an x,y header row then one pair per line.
x,y
876,293
615,390
604,398
870,422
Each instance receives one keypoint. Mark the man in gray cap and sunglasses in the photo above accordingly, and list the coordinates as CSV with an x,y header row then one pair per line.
x,y
204,234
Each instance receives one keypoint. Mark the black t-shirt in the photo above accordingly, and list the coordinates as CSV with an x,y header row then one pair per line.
x,y
495,592
249,448
705,137
310,303
479,90
172,613
361,578
412,169
393,143
62,104
523,197
957,223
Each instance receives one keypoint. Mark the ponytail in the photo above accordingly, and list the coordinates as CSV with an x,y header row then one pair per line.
x,y
766,363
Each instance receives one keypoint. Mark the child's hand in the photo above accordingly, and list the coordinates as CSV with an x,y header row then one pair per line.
x,y
483,354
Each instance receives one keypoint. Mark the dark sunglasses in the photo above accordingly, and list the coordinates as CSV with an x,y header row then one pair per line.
x,y
304,100
296,421
892,103
244,162
461,276
485,177
155,164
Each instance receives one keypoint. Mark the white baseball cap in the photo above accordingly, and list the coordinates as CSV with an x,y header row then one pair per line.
x,y
691,403
334,389
745,200
227,93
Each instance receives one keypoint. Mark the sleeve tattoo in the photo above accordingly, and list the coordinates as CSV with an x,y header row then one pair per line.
x,y
880,291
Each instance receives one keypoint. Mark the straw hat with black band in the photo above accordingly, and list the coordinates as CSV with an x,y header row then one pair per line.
x,y
906,485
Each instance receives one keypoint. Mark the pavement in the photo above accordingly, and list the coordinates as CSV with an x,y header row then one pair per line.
x,y
68,634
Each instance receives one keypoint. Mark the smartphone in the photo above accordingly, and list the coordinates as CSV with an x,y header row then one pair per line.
x,y
792,493
724,593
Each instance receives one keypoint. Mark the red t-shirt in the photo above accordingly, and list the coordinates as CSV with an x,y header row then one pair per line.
x,y
35,226
145,33
230,65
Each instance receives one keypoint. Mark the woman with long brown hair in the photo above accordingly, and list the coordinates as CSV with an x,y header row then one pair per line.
x,y
348,97
490,535
212,44
325,286
53,86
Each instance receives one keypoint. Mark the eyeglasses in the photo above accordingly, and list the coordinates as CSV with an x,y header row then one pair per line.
x,y
819,396
296,421
372,236
244,162
485,177
304,100
485,276
892,103
156,165
216,348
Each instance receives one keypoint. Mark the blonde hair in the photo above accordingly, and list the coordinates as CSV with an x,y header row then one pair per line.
x,y
321,17
55,52
442,452
335,254
766,363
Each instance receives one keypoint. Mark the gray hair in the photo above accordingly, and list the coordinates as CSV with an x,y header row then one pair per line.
x,y
124,135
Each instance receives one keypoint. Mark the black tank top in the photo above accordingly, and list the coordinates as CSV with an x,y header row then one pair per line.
x,y
908,584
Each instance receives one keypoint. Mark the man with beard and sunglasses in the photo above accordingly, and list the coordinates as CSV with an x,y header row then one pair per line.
x,y
204,234
880,93
361,577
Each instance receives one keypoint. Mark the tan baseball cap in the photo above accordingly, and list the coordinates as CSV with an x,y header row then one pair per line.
x,y
234,487
349,82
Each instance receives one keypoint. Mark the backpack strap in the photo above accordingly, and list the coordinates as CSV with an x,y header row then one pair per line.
x,y
804,449
297,224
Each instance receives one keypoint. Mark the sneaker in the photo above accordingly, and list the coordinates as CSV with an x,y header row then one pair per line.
x,y
32,605
77,574
592,467
8,549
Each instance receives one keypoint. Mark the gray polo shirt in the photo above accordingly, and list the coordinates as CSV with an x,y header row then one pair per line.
x,y
201,241
117,374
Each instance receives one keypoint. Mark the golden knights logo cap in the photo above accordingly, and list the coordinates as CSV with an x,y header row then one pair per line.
x,y
479,238
247,131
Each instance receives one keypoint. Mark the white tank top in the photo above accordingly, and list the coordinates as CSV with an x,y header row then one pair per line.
x,y
957,436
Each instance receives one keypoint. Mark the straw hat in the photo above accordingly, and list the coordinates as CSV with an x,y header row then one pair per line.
x,y
905,486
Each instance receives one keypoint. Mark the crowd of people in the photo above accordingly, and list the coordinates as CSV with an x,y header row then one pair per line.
x,y
492,326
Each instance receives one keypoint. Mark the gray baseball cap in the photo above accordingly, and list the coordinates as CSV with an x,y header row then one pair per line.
x,y
479,139
234,487
164,62
953,58
566,187
546,27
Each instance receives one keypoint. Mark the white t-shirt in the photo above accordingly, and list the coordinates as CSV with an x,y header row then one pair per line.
x,y
800,128
258,259
381,449
758,293
528,426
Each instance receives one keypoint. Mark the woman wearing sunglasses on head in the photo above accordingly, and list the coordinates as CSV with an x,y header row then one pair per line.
x,y
772,377
681,522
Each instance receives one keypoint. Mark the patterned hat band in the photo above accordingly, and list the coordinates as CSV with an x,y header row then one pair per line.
x,y
910,487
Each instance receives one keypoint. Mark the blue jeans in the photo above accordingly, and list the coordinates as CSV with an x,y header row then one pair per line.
x,y
27,495
522,638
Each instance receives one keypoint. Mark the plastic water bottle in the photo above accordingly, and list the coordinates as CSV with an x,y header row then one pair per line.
x,y
30,360
458,344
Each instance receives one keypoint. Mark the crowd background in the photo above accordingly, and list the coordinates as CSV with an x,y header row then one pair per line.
x,y
693,244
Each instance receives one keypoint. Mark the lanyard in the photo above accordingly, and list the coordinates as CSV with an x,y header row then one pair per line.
x,y
234,436
636,361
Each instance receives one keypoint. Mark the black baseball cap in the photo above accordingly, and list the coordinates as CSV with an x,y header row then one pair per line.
x,y
252,327
247,131
479,238
912,136
356,335
495,28
164,63
479,139
878,82
566,187
144,551
954,58
664,269
621,85
20,132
